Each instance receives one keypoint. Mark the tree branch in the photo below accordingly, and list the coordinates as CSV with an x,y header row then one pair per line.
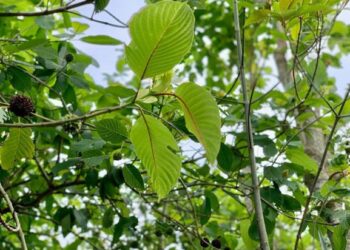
x,y
15,216
61,122
46,12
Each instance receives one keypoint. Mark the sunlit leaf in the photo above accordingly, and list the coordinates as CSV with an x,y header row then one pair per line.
x,y
156,148
161,35
18,145
202,117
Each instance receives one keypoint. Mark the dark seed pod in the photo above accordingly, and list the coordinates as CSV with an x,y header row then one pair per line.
x,y
216,243
69,58
204,242
21,105
72,128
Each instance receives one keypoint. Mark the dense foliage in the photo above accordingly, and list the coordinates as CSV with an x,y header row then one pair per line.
x,y
220,128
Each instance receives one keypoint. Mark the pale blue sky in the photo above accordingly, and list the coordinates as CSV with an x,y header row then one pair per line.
x,y
107,55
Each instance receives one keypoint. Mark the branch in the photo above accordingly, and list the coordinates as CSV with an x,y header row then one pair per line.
x,y
61,122
15,216
98,21
320,168
46,12
264,242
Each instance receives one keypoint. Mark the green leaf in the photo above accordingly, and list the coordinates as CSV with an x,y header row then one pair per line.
x,y
225,158
81,218
202,117
91,178
108,217
123,224
87,145
258,16
244,230
161,34
267,144
111,130
19,79
339,237
285,5
100,5
45,22
133,177
156,147
298,157
205,211
101,40
19,145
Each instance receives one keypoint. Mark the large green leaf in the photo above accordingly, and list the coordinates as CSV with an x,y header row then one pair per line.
x,y
161,34
202,117
19,145
156,148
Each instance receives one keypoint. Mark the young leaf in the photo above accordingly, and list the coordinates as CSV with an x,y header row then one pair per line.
x,y
156,147
133,177
111,130
19,145
101,40
202,117
161,34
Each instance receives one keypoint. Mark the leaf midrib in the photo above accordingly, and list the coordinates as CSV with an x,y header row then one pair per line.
x,y
151,141
200,135
158,43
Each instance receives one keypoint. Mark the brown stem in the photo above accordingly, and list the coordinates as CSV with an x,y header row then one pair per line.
x,y
46,12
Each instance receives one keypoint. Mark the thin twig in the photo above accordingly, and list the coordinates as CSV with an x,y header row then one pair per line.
x,y
96,20
193,208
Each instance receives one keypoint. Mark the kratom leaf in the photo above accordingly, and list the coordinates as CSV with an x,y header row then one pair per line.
x,y
111,130
202,117
156,148
298,157
133,177
19,145
101,40
161,35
